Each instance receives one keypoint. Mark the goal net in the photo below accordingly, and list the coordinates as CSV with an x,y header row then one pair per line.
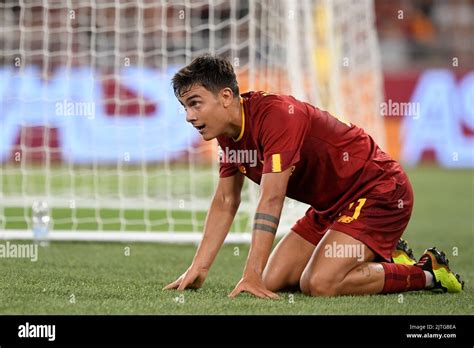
x,y
89,123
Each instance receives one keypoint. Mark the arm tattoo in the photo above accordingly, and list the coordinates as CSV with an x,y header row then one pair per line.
x,y
267,217
267,227
264,227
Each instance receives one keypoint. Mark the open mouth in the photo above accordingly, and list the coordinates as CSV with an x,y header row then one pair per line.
x,y
200,128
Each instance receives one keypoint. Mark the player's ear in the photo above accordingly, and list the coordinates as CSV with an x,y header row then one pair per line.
x,y
227,96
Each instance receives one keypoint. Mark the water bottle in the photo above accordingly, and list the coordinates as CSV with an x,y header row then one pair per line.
x,y
41,223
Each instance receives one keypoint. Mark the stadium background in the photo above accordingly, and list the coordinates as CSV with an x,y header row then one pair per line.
x,y
427,58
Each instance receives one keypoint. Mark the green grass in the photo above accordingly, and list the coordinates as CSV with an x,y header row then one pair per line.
x,y
104,280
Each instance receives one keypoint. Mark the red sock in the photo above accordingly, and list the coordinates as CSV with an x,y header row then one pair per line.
x,y
400,278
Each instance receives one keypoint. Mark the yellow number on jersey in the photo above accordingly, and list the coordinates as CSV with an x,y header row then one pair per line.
x,y
348,219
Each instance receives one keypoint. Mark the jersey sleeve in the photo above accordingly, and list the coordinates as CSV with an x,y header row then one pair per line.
x,y
281,135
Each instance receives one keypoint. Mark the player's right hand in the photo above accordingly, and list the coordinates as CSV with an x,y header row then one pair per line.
x,y
193,278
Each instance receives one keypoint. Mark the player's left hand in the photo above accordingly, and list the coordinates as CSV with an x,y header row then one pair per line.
x,y
253,284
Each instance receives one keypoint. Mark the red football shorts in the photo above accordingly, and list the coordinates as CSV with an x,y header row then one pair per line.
x,y
378,219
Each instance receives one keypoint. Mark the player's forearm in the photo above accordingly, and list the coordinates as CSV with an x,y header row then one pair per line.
x,y
266,222
216,227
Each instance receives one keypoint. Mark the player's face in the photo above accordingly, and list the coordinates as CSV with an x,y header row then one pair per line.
x,y
205,112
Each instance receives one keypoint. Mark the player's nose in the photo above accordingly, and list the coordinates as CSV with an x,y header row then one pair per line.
x,y
190,116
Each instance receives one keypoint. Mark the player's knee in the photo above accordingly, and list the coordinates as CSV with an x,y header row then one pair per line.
x,y
271,283
272,280
319,285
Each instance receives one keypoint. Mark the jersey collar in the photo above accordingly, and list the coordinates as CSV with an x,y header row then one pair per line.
x,y
243,121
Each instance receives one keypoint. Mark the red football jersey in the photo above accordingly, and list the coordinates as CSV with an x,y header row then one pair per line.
x,y
333,162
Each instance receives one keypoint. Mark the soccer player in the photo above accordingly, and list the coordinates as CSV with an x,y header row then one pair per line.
x,y
360,199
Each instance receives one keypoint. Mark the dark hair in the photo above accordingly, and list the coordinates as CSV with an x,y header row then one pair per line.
x,y
212,72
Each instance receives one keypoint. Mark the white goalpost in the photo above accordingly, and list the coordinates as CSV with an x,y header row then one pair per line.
x,y
90,125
